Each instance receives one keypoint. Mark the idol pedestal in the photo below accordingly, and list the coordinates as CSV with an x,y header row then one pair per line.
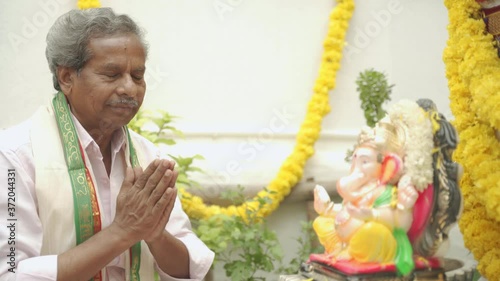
x,y
453,270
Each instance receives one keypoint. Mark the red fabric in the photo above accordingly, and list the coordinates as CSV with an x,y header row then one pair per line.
x,y
421,213
492,10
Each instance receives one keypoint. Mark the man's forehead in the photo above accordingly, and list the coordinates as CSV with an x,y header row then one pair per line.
x,y
116,44
112,66
116,52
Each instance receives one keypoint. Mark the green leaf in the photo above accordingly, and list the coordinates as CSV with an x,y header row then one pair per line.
x,y
476,275
276,252
374,91
238,270
183,161
195,169
165,141
182,178
174,130
159,122
198,156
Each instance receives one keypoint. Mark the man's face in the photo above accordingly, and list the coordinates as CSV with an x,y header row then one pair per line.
x,y
110,88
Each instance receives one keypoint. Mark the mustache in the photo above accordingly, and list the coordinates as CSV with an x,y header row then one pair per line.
x,y
127,102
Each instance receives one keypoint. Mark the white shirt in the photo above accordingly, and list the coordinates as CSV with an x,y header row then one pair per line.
x,y
16,153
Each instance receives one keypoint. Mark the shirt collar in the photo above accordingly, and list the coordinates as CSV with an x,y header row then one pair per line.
x,y
117,140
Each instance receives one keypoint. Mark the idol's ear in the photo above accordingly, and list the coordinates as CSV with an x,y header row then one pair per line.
x,y
391,166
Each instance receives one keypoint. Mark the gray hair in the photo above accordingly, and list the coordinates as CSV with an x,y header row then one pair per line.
x,y
68,38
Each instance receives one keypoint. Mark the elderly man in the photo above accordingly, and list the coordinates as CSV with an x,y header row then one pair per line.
x,y
79,205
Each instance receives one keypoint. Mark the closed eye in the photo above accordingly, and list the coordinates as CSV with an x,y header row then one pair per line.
x,y
112,75
138,74
137,77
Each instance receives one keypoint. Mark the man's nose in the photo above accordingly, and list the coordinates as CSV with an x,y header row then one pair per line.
x,y
127,86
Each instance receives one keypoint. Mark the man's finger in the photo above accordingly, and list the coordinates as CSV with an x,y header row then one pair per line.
x,y
129,179
171,203
143,178
173,179
172,165
160,188
166,212
166,203
172,194
137,172
127,184
157,179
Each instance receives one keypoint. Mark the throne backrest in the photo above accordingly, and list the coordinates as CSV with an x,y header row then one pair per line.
x,y
440,205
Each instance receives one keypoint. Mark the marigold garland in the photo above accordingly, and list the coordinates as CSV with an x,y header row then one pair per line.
x,y
473,72
87,4
291,170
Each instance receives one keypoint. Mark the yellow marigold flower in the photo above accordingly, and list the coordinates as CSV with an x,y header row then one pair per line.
x,y
472,70
87,4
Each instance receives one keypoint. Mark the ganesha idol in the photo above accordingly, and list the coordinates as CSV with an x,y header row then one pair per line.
x,y
399,200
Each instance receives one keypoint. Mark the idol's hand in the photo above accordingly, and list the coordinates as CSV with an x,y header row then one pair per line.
x,y
407,194
360,213
322,202
146,200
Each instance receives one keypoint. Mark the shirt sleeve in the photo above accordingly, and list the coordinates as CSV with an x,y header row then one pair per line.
x,y
20,227
200,256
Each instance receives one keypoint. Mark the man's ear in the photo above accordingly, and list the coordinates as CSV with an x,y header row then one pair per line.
x,y
65,76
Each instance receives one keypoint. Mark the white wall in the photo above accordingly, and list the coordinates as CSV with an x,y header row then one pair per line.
x,y
235,75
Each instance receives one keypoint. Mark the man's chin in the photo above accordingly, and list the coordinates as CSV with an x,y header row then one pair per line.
x,y
120,117
110,125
